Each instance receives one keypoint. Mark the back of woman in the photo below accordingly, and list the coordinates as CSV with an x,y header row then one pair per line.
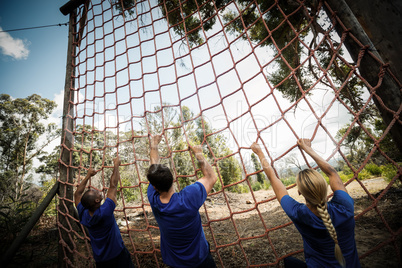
x,y
318,244
327,228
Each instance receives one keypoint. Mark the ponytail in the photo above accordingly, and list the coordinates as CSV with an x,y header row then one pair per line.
x,y
314,189
322,210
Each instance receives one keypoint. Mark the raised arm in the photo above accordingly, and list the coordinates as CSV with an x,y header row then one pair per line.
x,y
81,188
334,180
277,185
114,180
154,154
209,178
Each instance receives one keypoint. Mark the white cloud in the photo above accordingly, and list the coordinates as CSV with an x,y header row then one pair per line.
x,y
59,99
13,47
56,118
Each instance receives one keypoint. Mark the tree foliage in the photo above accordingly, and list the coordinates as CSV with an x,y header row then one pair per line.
x,y
359,143
95,148
22,125
292,29
185,128
257,166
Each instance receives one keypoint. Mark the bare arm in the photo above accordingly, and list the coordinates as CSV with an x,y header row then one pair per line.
x,y
81,188
334,180
114,181
154,154
277,185
209,178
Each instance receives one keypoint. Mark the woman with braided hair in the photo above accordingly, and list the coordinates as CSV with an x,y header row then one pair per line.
x,y
327,227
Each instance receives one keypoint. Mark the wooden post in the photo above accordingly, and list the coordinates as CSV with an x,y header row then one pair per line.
x,y
65,206
382,22
389,90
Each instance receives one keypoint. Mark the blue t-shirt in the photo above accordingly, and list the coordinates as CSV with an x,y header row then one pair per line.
x,y
105,235
183,242
318,244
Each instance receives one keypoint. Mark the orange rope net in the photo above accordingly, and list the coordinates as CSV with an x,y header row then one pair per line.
x,y
224,74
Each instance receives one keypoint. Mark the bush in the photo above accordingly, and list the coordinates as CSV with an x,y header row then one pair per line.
x,y
373,169
256,186
14,214
347,171
51,209
266,185
289,181
364,175
388,171
239,188
218,186
345,177
130,194
324,176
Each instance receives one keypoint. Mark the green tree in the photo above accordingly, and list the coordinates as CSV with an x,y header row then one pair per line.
x,y
189,18
181,128
88,146
292,29
358,143
22,126
257,166
124,7
217,150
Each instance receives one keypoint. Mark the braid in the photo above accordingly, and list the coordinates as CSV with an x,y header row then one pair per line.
x,y
326,219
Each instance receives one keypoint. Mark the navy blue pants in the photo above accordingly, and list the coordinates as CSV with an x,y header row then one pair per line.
x,y
208,262
292,262
123,260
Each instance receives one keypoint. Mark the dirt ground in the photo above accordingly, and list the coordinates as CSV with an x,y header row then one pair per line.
x,y
241,240
247,230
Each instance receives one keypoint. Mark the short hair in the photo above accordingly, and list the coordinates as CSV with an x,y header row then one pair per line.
x,y
88,200
160,177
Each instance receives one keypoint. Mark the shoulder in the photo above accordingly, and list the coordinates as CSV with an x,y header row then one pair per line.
x,y
107,207
292,208
342,198
150,189
287,200
80,209
151,193
195,194
109,202
195,188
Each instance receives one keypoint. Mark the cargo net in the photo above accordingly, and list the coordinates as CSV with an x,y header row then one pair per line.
x,y
225,74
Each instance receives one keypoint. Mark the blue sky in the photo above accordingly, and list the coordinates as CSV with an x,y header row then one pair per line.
x,y
32,61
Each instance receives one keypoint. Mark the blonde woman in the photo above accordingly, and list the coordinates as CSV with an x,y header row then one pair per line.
x,y
327,228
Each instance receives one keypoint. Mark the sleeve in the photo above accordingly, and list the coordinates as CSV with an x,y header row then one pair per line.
x,y
80,209
195,194
290,206
107,207
150,193
343,198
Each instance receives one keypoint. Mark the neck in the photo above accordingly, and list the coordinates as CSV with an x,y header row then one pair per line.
x,y
91,213
313,209
165,196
